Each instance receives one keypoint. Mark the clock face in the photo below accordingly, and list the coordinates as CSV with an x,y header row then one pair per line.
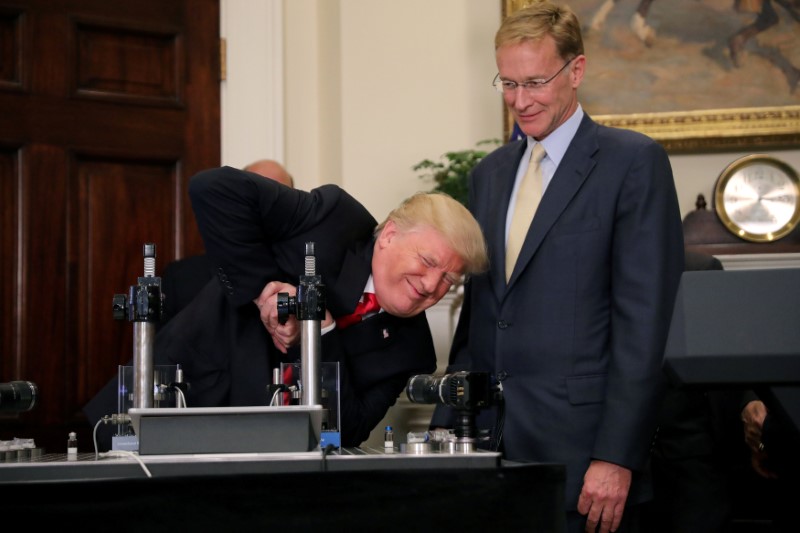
x,y
758,198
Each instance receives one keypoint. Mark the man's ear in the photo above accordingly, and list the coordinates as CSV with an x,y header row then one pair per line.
x,y
388,233
577,71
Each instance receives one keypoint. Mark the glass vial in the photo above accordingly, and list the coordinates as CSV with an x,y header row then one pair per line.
x,y
388,437
72,446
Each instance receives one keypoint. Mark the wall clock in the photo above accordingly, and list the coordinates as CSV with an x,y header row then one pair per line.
x,y
757,198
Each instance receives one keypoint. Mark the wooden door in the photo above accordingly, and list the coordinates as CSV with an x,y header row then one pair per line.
x,y
107,108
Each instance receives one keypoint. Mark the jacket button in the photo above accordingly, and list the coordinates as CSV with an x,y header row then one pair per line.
x,y
502,324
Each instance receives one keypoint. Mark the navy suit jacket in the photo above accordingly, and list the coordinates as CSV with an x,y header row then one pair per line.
x,y
255,231
576,337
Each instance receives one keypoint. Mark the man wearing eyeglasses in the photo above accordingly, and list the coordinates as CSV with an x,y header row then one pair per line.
x,y
573,315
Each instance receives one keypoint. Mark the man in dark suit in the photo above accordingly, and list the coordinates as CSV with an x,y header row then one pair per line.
x,y
184,278
229,338
772,439
690,452
575,329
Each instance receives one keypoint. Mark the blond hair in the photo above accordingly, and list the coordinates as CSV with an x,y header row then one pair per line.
x,y
538,20
451,219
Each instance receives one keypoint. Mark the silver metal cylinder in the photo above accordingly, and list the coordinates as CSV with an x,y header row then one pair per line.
x,y
143,338
464,446
310,350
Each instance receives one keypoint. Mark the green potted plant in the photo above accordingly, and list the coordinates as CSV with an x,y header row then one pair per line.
x,y
451,172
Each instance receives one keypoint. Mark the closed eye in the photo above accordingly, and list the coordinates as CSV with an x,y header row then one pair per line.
x,y
449,278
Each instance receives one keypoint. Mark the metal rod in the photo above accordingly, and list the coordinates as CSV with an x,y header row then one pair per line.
x,y
143,338
310,361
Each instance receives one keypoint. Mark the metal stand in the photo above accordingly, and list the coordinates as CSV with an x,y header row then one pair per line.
x,y
309,307
143,307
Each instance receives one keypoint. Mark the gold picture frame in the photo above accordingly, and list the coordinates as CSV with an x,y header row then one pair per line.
x,y
737,128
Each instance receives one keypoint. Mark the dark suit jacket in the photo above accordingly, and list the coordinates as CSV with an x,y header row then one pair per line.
x,y
576,337
181,281
255,231
685,428
689,470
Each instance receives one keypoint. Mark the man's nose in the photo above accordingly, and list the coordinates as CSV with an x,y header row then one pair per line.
x,y
431,280
520,98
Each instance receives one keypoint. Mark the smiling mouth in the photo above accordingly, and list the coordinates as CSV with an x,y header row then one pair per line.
x,y
418,295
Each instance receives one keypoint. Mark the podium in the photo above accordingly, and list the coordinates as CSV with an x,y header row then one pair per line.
x,y
739,328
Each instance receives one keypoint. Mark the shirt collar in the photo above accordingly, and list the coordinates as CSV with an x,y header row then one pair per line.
x,y
556,143
370,285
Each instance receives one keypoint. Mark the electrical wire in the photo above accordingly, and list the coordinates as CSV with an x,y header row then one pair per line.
x,y
280,388
325,453
126,453
180,398
274,396
94,437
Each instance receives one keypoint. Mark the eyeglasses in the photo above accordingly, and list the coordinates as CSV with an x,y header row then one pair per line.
x,y
530,86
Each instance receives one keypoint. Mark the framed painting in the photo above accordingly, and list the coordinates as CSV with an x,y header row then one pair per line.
x,y
696,75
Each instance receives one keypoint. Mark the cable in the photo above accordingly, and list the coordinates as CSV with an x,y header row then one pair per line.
x,y
179,388
94,437
126,453
180,398
325,452
280,387
118,419
274,396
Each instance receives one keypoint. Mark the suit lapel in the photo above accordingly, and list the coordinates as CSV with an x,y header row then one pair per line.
x,y
573,170
351,280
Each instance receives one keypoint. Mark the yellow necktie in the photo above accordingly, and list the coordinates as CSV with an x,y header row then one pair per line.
x,y
528,196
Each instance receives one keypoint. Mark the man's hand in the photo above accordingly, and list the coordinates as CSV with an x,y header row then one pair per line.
x,y
753,416
283,335
602,499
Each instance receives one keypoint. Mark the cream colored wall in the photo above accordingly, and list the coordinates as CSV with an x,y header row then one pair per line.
x,y
355,92
381,85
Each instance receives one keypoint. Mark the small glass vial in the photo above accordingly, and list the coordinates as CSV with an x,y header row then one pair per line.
x,y
388,437
72,446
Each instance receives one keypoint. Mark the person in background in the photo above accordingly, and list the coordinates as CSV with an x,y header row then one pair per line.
x,y
689,455
773,440
572,316
269,168
228,339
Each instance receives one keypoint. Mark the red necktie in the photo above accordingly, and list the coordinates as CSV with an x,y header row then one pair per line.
x,y
368,304
287,380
